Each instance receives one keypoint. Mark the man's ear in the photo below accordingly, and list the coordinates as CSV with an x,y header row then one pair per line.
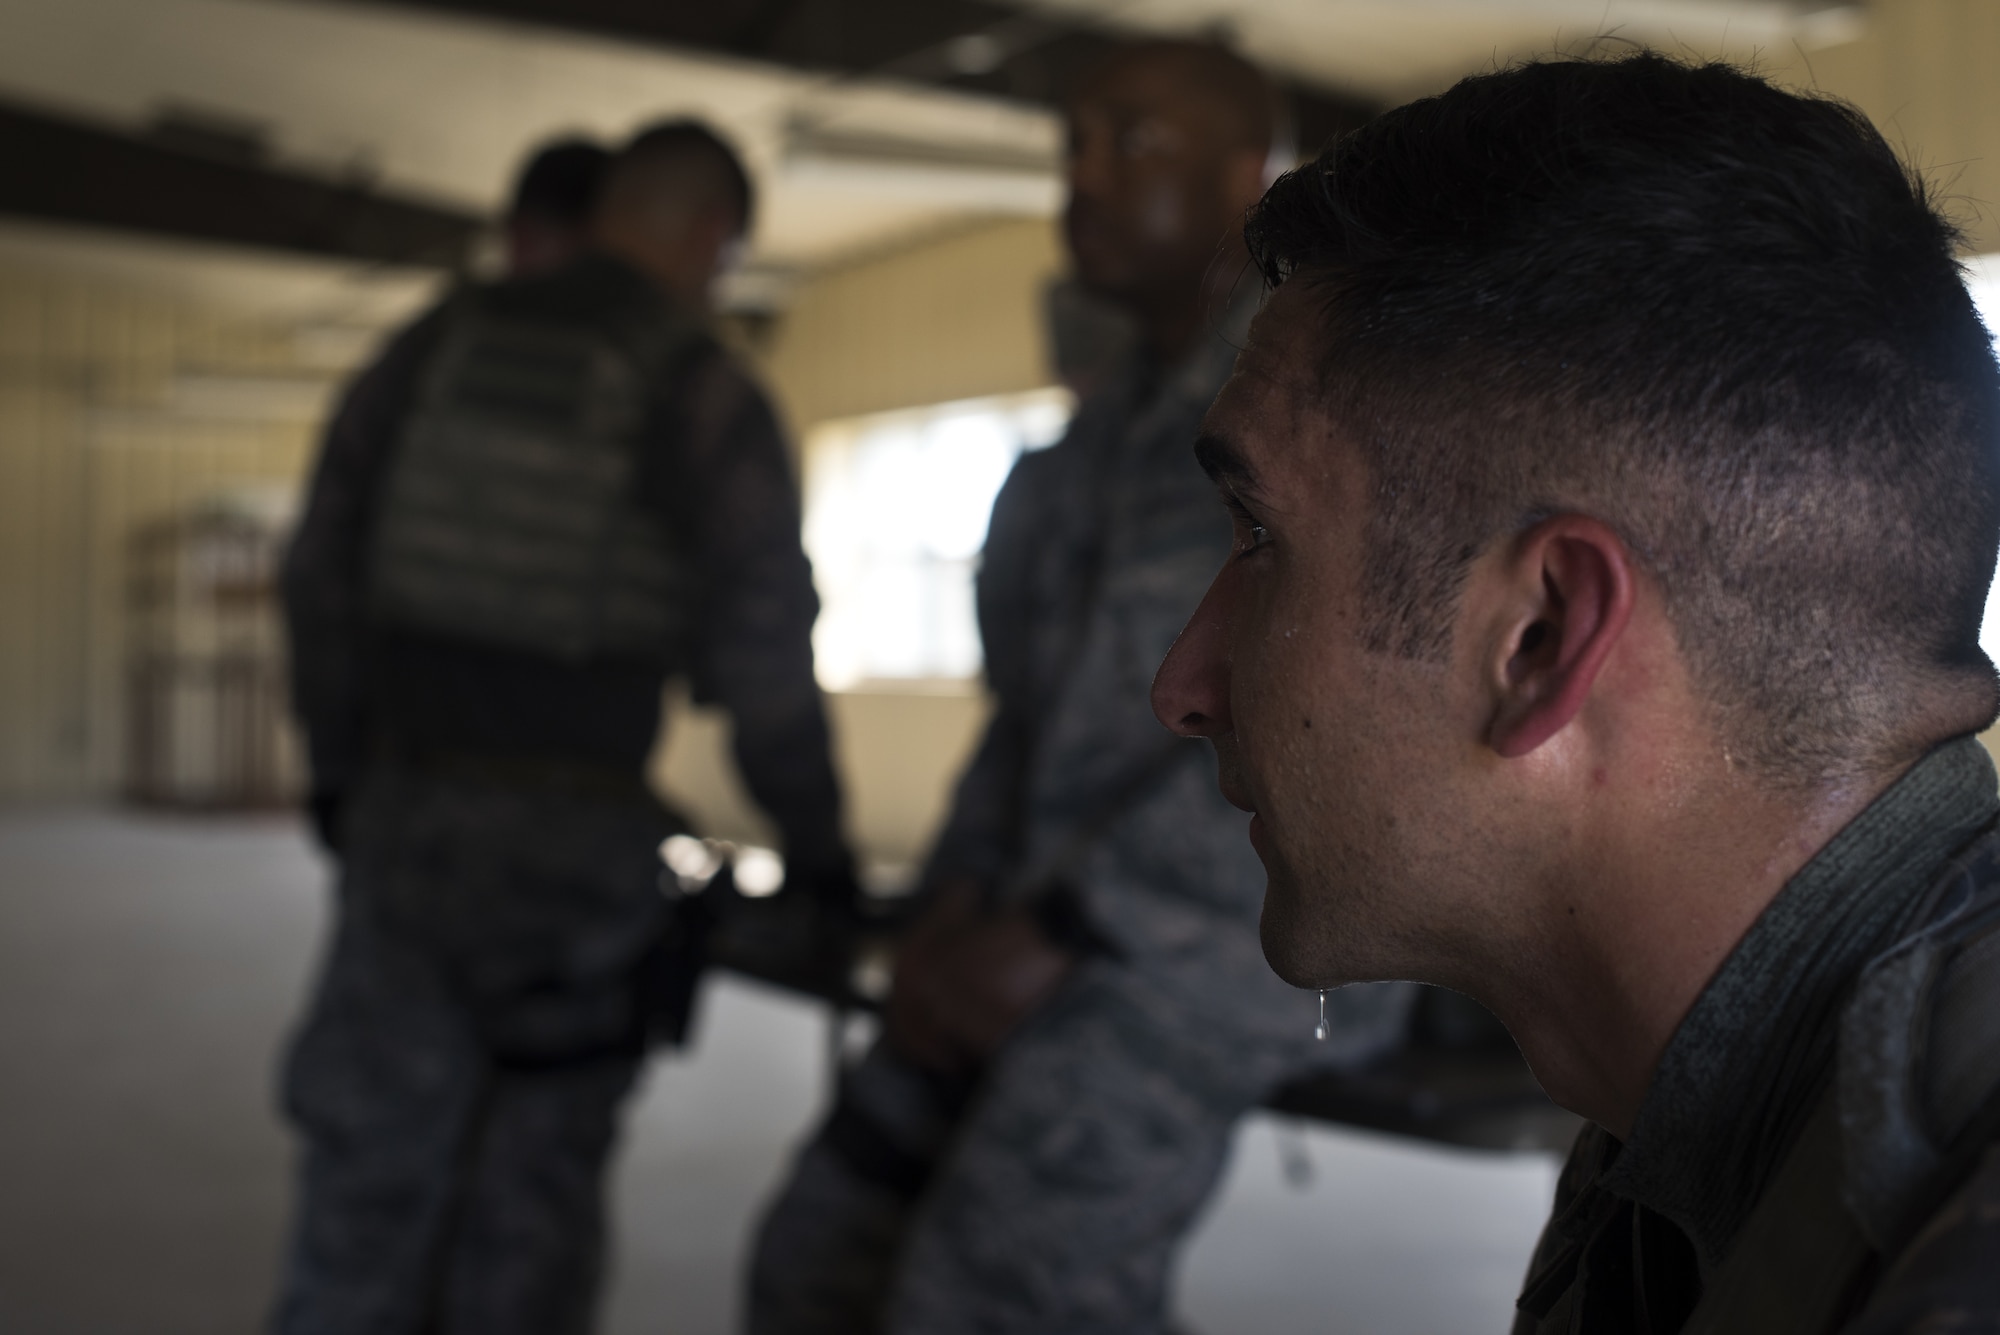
x,y
1571,586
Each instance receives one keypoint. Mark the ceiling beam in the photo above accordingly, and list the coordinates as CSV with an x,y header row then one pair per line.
x,y
170,184
971,45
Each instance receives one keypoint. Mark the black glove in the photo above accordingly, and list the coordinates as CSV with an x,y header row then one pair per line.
x,y
833,887
802,937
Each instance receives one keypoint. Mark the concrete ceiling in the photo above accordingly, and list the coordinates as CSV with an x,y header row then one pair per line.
x,y
443,107
435,103
1391,50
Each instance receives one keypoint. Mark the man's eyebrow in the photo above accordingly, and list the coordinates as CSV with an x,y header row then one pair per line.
x,y
1224,463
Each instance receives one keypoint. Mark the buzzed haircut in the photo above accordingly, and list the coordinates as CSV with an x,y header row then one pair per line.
x,y
1253,112
683,162
1723,319
559,184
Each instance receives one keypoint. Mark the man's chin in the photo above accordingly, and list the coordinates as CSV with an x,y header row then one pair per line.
x,y
1103,274
1306,942
1287,946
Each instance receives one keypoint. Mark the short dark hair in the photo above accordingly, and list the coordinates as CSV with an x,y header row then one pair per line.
x,y
694,160
1722,318
560,182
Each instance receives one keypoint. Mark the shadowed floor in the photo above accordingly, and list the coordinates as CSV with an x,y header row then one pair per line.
x,y
149,968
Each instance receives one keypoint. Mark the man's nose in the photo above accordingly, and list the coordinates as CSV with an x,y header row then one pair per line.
x,y
1191,689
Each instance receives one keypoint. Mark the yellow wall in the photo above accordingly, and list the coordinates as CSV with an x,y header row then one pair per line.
x,y
92,443
956,318
1923,70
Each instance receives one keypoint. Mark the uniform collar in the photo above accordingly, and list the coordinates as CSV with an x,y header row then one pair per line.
x,y
1739,1075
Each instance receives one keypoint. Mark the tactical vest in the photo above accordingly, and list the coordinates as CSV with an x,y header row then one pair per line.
x,y
510,514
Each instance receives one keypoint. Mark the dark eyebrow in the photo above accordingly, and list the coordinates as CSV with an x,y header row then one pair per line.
x,y
1224,463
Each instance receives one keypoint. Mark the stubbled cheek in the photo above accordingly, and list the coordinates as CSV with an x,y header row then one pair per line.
x,y
1274,705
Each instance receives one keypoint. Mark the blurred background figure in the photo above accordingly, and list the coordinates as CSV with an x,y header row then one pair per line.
x,y
1082,1012
219,215
546,497
1090,338
548,222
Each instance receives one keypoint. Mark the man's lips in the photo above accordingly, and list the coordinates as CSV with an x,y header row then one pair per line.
x,y
1233,794
1229,778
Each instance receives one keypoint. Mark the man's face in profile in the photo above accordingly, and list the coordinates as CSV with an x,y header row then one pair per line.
x,y
1344,753
538,245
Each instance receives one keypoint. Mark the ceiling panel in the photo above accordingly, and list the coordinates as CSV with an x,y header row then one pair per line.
x,y
444,106
437,99
1390,50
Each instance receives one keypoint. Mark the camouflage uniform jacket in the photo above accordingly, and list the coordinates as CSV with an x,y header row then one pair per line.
x,y
1750,1194
1099,549
714,467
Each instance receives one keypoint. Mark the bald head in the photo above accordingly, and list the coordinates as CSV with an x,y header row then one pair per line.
x,y
1168,143
1242,106
673,200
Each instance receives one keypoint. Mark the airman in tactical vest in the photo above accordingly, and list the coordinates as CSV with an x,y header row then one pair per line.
x,y
548,497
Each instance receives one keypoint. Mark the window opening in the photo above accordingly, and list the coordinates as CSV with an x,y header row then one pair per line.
x,y
896,511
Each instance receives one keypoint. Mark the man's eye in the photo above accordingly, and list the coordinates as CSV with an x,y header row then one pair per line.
x,y
1251,535
1146,138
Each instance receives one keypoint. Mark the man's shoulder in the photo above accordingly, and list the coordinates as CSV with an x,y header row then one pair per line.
x,y
1043,505
1081,462
1919,1064
414,341
1920,1105
1948,1278
715,390
378,392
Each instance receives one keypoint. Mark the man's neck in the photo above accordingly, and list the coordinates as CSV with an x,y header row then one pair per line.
x,y
1636,929
666,269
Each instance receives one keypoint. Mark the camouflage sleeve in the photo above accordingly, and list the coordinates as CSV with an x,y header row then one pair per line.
x,y
322,573
1948,1278
755,652
981,835
981,839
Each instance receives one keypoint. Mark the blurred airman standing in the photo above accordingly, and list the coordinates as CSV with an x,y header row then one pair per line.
x,y
549,496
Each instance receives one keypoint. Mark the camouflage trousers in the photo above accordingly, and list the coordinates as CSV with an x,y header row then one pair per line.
x,y
457,1077
1049,1197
